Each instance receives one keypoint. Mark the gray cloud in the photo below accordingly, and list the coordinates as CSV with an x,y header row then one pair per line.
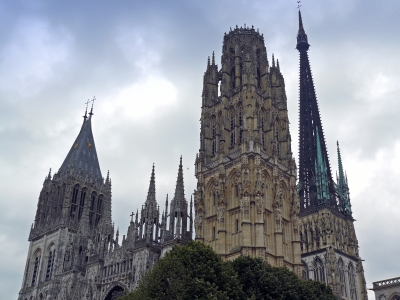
x,y
55,55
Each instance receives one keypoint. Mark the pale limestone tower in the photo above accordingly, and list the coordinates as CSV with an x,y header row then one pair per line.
x,y
329,243
246,201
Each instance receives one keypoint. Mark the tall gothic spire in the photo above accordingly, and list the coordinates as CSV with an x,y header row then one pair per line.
x,y
83,155
179,189
151,194
342,186
316,184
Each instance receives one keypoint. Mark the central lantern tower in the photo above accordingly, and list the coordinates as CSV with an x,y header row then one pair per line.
x,y
246,201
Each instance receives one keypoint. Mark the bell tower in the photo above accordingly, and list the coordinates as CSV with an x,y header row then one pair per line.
x,y
74,207
329,244
246,201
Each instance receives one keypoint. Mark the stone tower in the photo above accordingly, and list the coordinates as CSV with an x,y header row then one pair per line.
x,y
246,201
74,207
74,251
329,244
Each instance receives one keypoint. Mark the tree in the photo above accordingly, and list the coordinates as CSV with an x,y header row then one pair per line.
x,y
261,281
195,271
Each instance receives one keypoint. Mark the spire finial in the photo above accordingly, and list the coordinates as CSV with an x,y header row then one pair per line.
x,y
151,194
91,110
208,62
49,176
213,58
277,65
302,40
87,103
273,60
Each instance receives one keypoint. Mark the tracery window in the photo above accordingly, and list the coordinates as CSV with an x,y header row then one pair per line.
x,y
262,121
352,282
35,268
74,202
214,136
91,211
50,263
305,271
240,124
98,210
342,278
319,270
82,203
233,125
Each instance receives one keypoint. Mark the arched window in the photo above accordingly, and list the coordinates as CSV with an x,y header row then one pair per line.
x,y
342,279
98,210
240,124
50,263
319,270
35,268
262,124
233,83
214,136
91,211
352,282
82,203
74,201
233,125
305,271
237,225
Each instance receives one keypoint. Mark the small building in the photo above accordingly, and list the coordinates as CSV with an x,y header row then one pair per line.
x,y
388,289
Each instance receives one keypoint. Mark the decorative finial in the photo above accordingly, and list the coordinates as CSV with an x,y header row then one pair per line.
x,y
213,59
298,5
208,62
273,61
131,215
87,103
277,65
91,110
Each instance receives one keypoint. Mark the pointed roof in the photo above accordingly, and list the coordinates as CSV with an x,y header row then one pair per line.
x,y
83,154
151,194
343,187
317,186
179,189
302,40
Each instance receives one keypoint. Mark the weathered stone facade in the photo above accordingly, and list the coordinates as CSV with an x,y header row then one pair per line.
x,y
329,246
388,289
74,250
246,201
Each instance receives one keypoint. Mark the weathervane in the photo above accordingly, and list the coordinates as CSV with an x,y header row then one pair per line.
x,y
131,215
87,103
298,4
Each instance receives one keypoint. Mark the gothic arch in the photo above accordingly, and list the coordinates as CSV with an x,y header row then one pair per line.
x,y
395,296
113,286
233,184
319,269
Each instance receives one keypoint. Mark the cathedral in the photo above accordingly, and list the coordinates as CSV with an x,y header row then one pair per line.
x,y
250,198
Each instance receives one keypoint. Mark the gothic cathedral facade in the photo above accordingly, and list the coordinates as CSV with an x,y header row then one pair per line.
x,y
329,245
74,250
246,201
250,198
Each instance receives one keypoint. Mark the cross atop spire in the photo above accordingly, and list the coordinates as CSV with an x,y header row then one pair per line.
x,y
83,155
91,110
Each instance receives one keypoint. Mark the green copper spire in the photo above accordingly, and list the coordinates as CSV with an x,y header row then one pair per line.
x,y
321,177
342,186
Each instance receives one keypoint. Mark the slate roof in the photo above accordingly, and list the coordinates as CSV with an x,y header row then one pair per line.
x,y
83,154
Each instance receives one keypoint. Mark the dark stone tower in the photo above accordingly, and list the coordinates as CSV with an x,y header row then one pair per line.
x,y
74,207
328,241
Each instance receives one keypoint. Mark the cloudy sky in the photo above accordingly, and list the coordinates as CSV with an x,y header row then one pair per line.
x,y
144,61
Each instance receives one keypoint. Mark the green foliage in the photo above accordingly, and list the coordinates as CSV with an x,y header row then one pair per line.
x,y
261,281
195,271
